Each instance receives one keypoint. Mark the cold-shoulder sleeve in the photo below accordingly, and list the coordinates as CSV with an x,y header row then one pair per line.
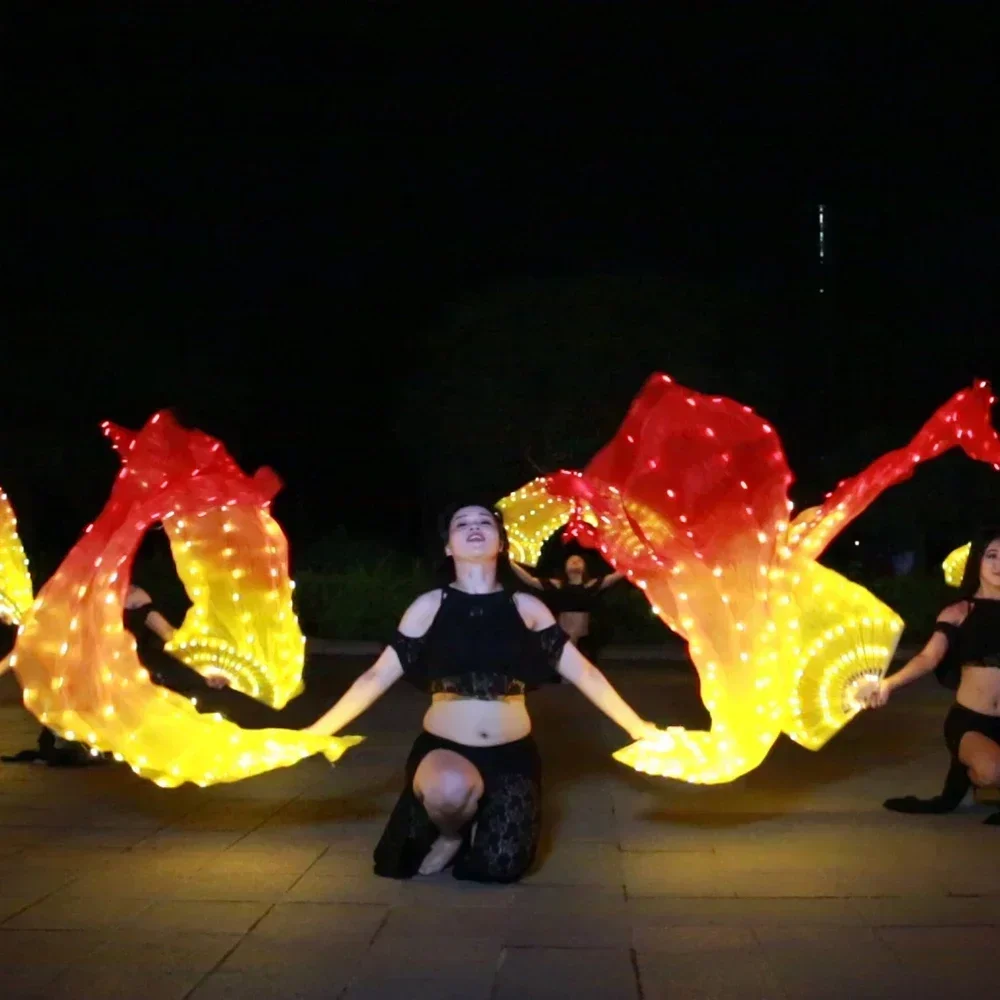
x,y
411,650
949,671
540,663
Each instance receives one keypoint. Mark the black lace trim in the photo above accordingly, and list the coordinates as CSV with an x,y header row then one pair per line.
x,y
480,685
552,640
409,649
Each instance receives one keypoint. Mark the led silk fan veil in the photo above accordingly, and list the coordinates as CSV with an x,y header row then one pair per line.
x,y
690,501
954,565
77,664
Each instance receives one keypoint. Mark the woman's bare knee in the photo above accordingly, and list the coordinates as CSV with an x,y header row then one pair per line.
x,y
982,757
447,783
985,771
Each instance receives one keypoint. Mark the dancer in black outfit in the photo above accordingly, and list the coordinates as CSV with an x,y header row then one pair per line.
x,y
572,597
964,652
472,794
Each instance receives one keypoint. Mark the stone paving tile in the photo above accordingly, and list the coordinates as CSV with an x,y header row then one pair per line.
x,y
11,905
129,870
403,966
31,960
696,875
569,917
477,986
67,857
235,815
32,883
298,855
348,835
282,984
208,916
121,982
334,863
313,887
711,940
66,912
729,975
584,974
443,890
97,887
851,962
930,911
319,968
660,914
579,864
151,948
173,841
251,887
287,860
446,922
132,963
321,922
946,961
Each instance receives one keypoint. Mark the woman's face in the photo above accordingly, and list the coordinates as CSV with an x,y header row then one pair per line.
x,y
473,535
989,568
576,566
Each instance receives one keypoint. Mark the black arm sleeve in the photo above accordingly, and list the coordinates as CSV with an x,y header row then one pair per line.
x,y
410,651
552,640
949,671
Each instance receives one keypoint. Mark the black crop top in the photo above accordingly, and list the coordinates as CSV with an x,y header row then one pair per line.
x,y
479,647
572,596
976,642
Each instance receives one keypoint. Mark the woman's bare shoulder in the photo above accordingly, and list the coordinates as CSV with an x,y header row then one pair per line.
x,y
417,618
955,613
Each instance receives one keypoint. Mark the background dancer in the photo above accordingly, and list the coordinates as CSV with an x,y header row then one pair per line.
x,y
964,651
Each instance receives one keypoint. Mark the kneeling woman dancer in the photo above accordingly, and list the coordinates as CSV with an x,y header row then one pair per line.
x,y
473,777
964,651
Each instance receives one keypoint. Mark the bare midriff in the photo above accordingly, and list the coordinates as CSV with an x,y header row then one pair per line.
x,y
476,722
980,689
575,624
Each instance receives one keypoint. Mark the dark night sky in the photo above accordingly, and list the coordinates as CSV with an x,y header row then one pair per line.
x,y
256,216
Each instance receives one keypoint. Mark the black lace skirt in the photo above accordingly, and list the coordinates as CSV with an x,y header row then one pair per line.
x,y
502,839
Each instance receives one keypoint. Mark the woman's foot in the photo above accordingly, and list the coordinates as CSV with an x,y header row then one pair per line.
x,y
911,804
440,855
956,787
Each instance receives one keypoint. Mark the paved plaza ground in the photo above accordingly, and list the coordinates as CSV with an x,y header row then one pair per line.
x,y
790,883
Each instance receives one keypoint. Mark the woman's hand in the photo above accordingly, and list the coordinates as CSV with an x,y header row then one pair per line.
x,y
316,730
645,731
216,681
879,695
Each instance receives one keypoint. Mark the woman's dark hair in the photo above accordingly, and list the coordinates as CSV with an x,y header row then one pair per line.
x,y
445,569
588,574
970,578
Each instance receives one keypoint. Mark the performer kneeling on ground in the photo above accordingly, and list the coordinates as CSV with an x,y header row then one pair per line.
x,y
964,651
151,631
473,778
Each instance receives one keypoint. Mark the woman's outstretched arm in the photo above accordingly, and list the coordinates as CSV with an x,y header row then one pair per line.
x,y
525,577
921,664
382,674
584,676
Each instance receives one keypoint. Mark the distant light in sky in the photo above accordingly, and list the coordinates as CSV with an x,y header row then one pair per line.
x,y
822,237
